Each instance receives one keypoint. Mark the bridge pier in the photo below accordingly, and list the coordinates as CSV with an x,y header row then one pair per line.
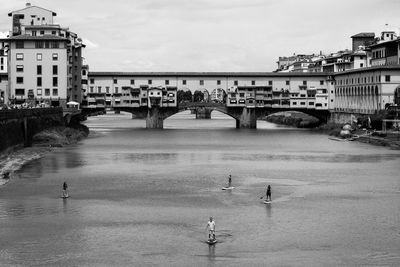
x,y
248,119
155,118
203,113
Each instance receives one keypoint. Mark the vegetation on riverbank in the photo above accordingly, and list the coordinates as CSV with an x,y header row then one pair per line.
x,y
293,118
14,158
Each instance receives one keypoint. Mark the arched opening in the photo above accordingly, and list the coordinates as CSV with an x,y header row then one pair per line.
x,y
218,95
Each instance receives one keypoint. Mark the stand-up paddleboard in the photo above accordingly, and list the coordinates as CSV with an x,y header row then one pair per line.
x,y
211,241
267,202
64,197
228,188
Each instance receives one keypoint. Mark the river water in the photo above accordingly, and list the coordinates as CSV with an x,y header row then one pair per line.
x,y
143,198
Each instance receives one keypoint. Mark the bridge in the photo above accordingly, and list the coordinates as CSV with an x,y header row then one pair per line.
x,y
245,116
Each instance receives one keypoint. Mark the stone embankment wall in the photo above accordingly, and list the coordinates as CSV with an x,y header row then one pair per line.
x,y
18,126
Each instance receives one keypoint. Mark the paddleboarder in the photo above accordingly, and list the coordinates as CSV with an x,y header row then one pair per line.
x,y
211,228
65,187
230,180
268,193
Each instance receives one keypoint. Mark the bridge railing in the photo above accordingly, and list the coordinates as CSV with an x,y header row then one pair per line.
x,y
7,114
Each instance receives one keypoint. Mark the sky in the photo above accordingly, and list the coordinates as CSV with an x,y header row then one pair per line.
x,y
210,35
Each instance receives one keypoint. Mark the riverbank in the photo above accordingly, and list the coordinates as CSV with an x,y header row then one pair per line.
x,y
14,158
293,118
300,120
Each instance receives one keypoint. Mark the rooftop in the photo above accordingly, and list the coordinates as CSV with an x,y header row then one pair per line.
x,y
29,37
375,68
364,34
30,6
205,74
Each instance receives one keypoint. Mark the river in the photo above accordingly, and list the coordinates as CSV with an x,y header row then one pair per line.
x,y
143,198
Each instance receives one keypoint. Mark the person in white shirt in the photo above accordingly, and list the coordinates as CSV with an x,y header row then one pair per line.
x,y
211,228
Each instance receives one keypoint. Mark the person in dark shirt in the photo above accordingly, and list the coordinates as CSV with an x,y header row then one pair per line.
x,y
65,187
269,193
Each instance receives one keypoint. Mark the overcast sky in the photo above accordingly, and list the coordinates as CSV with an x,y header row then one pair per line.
x,y
210,35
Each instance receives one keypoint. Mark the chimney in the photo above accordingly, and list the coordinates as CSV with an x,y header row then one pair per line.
x,y
28,4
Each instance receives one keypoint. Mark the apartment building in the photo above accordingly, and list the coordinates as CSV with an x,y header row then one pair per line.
x,y
44,59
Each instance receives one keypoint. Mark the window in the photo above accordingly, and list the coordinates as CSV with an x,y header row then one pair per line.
x,y
321,82
253,82
132,81
19,44
294,103
39,81
39,44
269,82
183,82
387,78
149,81
55,91
288,83
304,82
218,82
116,90
20,56
235,82
55,45
98,89
107,89
201,82
34,32
47,92
302,103
361,65
311,103
55,81
55,56
41,32
39,91
20,68
91,89
115,81
55,69
20,79
20,91
53,32
91,81
166,82
39,56
39,69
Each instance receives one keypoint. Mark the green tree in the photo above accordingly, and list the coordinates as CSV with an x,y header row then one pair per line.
x,y
198,96
184,96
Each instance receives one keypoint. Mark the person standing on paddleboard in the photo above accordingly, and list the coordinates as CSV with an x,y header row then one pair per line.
x,y
268,193
65,187
211,228
230,180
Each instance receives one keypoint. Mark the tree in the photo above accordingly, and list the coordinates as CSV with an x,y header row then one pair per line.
x,y
184,96
198,96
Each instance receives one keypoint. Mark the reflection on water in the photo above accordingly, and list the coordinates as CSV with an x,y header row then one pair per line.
x,y
143,197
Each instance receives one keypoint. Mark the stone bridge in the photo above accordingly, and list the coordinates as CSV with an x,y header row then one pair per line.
x,y
246,117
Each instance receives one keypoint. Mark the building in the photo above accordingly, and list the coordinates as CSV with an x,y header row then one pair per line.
x,y
386,52
362,39
279,90
3,88
366,91
44,59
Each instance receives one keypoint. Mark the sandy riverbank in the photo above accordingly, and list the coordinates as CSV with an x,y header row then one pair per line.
x,y
14,158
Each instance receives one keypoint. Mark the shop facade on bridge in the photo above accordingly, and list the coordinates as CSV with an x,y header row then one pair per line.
x,y
276,90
